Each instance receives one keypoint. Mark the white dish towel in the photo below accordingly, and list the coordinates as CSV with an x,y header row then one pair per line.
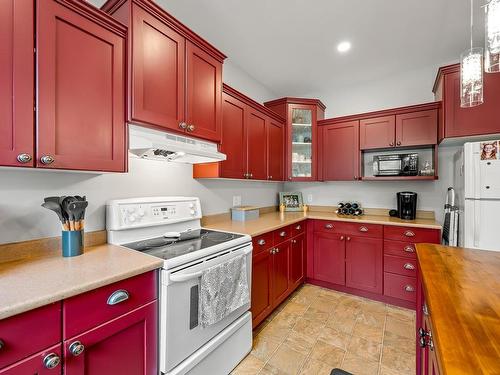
x,y
223,289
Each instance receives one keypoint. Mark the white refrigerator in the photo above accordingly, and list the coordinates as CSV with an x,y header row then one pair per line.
x,y
477,187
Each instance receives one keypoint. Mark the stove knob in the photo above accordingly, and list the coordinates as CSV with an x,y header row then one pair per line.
x,y
191,205
141,212
193,212
131,218
131,209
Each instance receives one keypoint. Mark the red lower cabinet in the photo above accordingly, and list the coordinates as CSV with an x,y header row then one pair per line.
x,y
125,345
329,257
363,263
262,302
297,261
281,272
47,362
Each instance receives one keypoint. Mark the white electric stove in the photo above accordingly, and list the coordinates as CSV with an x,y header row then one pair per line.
x,y
170,228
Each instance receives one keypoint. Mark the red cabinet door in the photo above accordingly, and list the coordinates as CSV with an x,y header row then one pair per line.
x,y
340,151
364,263
81,95
276,150
16,81
204,93
233,138
125,345
158,72
297,256
417,128
256,131
38,364
262,303
281,260
378,132
483,119
329,257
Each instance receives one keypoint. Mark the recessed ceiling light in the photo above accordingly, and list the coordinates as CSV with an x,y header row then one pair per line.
x,y
344,47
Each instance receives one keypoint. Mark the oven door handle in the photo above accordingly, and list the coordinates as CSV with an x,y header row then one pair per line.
x,y
184,277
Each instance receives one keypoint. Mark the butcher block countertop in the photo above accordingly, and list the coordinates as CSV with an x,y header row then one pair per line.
x,y
274,220
462,291
45,277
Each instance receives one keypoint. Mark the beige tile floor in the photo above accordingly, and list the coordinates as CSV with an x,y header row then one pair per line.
x,y
318,329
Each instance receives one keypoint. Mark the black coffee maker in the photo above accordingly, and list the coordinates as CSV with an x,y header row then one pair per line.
x,y
407,205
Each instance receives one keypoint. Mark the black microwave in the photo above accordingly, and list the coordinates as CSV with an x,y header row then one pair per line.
x,y
395,165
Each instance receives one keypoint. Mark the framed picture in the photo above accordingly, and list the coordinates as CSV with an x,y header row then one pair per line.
x,y
292,201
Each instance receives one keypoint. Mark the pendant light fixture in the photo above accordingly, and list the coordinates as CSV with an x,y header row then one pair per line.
x,y
492,37
471,71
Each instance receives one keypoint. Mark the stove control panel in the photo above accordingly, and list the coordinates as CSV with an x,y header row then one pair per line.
x,y
144,212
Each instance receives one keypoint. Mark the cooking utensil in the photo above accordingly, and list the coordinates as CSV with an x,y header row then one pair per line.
x,y
69,214
77,209
53,206
447,215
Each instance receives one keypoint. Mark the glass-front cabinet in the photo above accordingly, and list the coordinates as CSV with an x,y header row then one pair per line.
x,y
301,134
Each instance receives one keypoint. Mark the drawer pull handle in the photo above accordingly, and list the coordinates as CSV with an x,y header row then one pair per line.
x,y
2,344
262,242
283,234
76,348
409,266
118,296
273,251
51,361
409,249
409,288
298,227
409,233
363,229
329,226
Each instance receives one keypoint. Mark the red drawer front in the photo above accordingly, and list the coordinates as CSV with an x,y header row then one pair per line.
x,y
91,309
363,230
262,242
399,248
282,234
298,228
34,364
402,287
30,332
409,234
400,265
329,226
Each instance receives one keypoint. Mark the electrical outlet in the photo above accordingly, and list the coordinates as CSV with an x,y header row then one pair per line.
x,y
236,200
309,198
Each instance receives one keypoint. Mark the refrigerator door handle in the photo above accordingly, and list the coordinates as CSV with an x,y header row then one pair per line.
x,y
477,222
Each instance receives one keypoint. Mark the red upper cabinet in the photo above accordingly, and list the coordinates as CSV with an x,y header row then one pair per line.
x,y
233,143
158,72
378,132
462,122
417,128
175,77
275,150
340,151
81,88
257,145
204,92
16,80
301,146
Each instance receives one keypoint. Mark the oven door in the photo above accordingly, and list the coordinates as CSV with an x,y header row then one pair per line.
x,y
180,333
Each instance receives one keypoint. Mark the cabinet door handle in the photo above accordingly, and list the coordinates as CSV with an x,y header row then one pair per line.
x,y
277,250
355,178
363,229
47,159
409,249
298,227
118,296
409,288
391,144
251,175
348,238
294,241
24,158
272,251
51,361
262,242
329,226
342,238
76,348
2,344
283,234
182,125
398,143
190,128
409,266
409,233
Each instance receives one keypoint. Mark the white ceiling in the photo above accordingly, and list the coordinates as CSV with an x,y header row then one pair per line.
x,y
290,45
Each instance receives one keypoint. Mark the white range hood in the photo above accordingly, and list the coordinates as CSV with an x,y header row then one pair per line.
x,y
158,145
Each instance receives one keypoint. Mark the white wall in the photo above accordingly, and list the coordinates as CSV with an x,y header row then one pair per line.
x,y
22,192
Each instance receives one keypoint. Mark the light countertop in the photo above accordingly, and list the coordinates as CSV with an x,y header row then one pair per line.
x,y
462,292
270,221
32,282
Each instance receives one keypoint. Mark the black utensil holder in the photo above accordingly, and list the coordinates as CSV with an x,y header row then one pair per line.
x,y
72,243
